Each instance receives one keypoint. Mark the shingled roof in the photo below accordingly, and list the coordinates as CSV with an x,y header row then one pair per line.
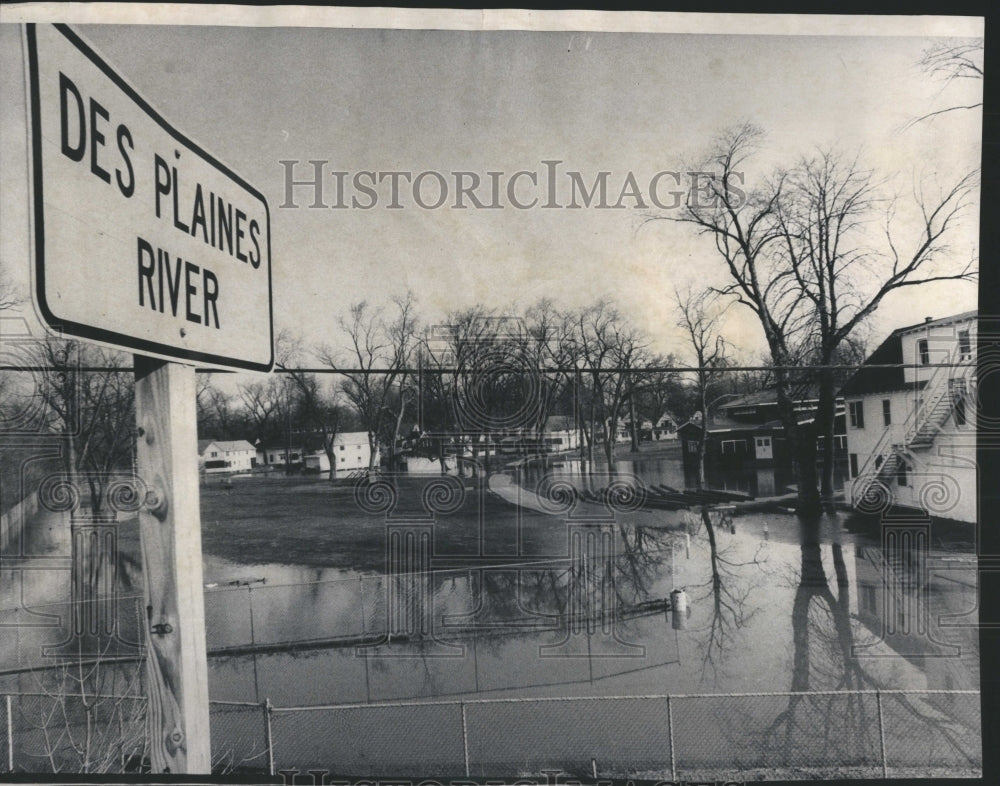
x,y
874,380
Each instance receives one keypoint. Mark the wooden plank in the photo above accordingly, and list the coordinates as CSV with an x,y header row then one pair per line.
x,y
170,531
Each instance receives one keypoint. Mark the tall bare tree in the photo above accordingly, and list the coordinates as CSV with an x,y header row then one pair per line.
x,y
378,354
802,255
830,216
698,318
93,410
611,349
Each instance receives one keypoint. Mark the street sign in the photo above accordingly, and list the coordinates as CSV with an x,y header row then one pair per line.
x,y
142,240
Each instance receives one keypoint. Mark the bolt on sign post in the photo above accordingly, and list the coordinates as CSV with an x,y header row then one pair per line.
x,y
143,241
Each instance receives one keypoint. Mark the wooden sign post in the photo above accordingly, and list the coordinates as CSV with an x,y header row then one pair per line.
x,y
145,242
170,531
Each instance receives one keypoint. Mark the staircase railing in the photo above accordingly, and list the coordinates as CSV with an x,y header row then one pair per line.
x,y
933,395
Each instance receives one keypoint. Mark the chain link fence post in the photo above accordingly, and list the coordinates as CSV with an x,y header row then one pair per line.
x,y
10,734
670,733
881,732
268,739
465,740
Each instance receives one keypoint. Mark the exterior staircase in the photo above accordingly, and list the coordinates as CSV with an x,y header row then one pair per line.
x,y
920,429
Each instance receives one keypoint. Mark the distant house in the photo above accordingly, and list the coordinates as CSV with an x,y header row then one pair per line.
x,y
664,428
351,452
747,431
911,409
274,454
560,433
731,443
221,456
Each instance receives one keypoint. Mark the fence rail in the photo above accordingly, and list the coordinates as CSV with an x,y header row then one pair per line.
x,y
858,733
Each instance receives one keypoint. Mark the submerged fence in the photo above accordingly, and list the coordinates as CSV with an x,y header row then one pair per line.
x,y
862,733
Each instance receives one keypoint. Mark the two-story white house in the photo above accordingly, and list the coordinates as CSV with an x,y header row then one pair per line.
x,y
351,452
221,456
911,431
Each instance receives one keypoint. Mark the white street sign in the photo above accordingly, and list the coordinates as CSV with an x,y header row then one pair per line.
x,y
142,240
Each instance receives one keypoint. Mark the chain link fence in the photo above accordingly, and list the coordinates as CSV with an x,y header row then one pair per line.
x,y
850,734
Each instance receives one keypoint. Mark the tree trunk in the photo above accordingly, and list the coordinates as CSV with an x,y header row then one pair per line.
x,y
610,435
802,448
635,426
593,436
702,440
703,436
331,459
826,413
713,547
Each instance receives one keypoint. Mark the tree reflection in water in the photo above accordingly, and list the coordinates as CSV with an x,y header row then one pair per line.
x,y
847,727
730,588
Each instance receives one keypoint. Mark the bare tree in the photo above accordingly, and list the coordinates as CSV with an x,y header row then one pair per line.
x,y
801,255
88,716
699,320
94,410
611,349
262,403
828,216
379,352
743,227
546,350
661,392
319,410
952,61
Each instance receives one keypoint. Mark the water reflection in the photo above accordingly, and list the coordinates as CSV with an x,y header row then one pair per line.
x,y
839,646
805,607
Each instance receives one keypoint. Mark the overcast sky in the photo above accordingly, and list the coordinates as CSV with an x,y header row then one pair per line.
x,y
504,101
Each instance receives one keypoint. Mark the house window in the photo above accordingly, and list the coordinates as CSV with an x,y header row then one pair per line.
x,y
924,352
964,344
886,412
857,413
734,447
854,465
342,459
341,447
692,446
215,453
840,441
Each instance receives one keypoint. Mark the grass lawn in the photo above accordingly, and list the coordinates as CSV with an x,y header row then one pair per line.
x,y
309,521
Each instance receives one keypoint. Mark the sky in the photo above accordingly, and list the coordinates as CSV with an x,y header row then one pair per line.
x,y
505,101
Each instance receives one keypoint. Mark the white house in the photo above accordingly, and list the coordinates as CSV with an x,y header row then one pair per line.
x,y
351,452
273,454
220,456
560,434
664,428
911,431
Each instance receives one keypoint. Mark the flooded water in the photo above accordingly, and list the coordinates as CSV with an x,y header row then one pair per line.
x,y
577,604
823,610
